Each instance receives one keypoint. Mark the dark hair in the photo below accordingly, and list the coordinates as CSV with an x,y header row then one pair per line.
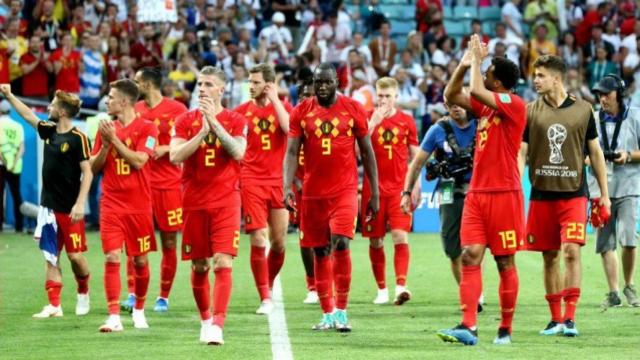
x,y
506,71
551,62
326,66
128,88
500,23
267,71
152,75
476,21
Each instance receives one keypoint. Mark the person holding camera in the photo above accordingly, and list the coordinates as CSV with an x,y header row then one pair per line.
x,y
450,140
619,133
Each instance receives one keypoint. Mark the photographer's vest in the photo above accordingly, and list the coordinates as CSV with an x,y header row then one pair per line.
x,y
557,139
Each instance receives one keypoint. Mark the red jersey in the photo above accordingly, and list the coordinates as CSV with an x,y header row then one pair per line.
x,y
498,138
144,56
210,176
266,145
4,62
300,169
164,174
68,79
390,141
329,136
35,83
126,190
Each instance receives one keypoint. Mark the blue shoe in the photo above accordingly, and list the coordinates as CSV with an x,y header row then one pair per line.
x,y
327,323
341,321
553,328
503,338
459,334
162,305
127,305
570,329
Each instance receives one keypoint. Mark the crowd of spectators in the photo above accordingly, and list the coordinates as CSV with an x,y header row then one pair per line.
x,y
81,46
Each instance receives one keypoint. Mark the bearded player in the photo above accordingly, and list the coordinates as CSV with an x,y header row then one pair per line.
x,y
329,125
395,143
122,150
166,191
66,175
210,141
493,214
265,217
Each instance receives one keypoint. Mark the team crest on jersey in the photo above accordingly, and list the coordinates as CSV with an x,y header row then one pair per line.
x,y
64,147
210,139
264,124
187,249
388,135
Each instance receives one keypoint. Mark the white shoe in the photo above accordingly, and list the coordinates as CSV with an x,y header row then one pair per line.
x,y
216,336
113,324
49,311
312,298
205,330
266,306
402,295
383,297
139,320
82,305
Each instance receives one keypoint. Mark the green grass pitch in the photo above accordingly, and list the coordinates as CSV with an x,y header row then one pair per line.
x,y
380,332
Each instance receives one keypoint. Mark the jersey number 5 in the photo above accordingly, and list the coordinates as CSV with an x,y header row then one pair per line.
x,y
266,141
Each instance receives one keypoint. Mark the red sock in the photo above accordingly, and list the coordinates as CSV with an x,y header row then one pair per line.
x,y
260,271
200,287
571,297
221,295
324,282
131,275
311,283
508,296
167,271
112,286
342,277
275,261
83,284
376,255
555,306
401,263
53,289
470,290
142,285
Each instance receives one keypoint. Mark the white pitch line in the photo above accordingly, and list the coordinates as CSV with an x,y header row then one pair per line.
x,y
280,344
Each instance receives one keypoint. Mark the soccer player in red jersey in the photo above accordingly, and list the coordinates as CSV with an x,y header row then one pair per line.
x,y
329,125
210,142
395,142
67,178
560,130
305,91
265,217
166,189
121,151
493,214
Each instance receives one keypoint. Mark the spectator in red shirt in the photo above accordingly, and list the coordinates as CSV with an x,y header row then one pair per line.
x,y
66,65
146,52
15,12
476,28
591,18
77,26
35,70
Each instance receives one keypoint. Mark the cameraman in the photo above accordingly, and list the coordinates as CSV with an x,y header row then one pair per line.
x,y
619,133
456,131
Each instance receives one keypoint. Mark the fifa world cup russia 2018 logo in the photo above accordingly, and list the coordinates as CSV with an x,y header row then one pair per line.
x,y
557,134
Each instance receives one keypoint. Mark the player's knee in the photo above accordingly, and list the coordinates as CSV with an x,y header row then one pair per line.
x,y
277,246
222,261
75,258
571,254
258,237
169,240
399,237
504,262
322,251
112,256
550,258
340,243
140,261
471,257
200,265
376,243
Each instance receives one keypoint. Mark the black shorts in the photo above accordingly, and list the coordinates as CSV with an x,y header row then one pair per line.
x,y
450,220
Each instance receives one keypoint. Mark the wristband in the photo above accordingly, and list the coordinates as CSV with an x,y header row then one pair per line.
x,y
408,193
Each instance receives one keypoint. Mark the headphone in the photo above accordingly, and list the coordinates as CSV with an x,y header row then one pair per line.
x,y
620,88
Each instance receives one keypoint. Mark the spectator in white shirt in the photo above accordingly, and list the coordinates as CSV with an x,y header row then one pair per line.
x,y
408,95
277,38
512,42
406,62
444,52
512,17
611,34
358,44
337,37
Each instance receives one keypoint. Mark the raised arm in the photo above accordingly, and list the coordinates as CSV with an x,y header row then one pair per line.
x,y
281,111
478,90
20,107
180,149
453,92
137,159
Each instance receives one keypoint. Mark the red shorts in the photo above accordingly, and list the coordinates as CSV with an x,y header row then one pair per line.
x,y
256,203
70,236
135,231
390,214
210,231
321,218
167,209
493,219
552,223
